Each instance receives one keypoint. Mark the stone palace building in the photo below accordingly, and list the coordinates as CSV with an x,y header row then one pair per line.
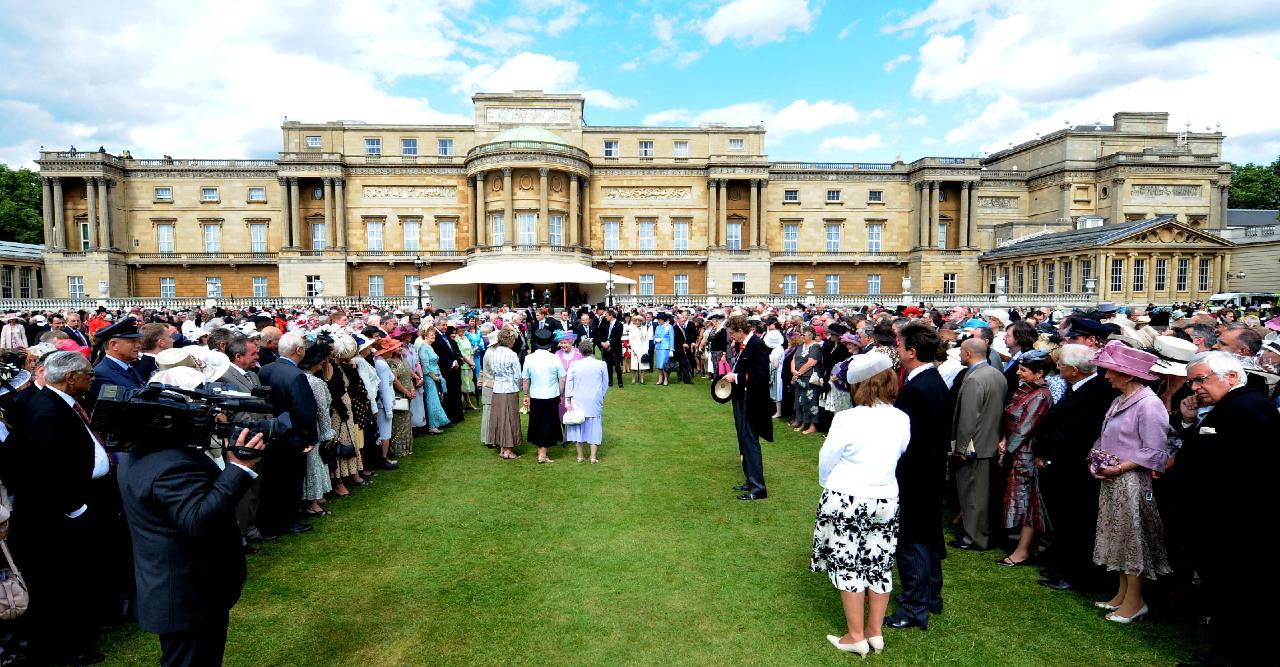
x,y
1089,211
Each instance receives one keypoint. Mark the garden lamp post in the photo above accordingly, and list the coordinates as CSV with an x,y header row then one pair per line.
x,y
417,266
609,285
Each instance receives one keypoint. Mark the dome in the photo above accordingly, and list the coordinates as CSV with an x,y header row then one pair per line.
x,y
528,134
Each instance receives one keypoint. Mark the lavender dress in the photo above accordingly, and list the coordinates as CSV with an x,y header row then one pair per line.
x,y
585,387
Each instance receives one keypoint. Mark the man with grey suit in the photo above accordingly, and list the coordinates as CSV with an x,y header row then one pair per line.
x,y
979,409
240,374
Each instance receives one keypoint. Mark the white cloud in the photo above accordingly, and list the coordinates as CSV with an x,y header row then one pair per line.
x,y
928,141
798,117
756,22
919,120
850,143
686,58
536,71
802,117
845,31
1028,66
663,28
893,64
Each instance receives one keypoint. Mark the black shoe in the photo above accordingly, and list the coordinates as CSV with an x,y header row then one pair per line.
x,y
390,465
1050,573
88,658
742,487
963,543
756,495
299,528
1057,584
936,611
249,549
901,623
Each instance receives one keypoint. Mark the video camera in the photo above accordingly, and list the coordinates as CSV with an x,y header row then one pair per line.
x,y
162,416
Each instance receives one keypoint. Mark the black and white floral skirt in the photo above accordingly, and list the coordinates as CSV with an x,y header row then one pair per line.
x,y
854,540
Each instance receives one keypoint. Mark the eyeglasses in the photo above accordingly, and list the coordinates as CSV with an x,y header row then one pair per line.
x,y
1199,380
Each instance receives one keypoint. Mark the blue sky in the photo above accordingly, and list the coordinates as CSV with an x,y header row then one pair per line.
x,y
831,80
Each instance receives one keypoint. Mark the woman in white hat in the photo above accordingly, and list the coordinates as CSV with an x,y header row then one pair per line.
x,y
855,536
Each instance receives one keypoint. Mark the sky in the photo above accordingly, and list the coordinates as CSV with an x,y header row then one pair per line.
x,y
831,80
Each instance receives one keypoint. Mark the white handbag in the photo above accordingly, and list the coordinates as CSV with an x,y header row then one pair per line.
x,y
574,417
400,404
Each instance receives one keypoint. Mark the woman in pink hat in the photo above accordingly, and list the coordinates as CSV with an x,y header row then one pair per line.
x,y
1134,443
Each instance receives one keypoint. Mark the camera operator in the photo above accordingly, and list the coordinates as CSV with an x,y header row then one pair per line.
x,y
186,543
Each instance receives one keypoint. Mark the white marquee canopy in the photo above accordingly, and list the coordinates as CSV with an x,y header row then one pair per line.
x,y
515,273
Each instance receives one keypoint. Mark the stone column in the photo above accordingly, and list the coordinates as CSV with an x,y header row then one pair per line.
x,y
340,212
1065,211
1117,213
1128,276
480,228
922,230
760,214
286,212
713,225
46,201
544,222
104,212
934,188
722,213
913,218
91,189
508,215
330,224
1151,277
295,216
1193,277
585,233
1102,276
571,225
755,211
964,213
1224,206
59,219
1219,276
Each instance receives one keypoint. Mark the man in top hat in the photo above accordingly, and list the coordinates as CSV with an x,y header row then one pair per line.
x,y
121,343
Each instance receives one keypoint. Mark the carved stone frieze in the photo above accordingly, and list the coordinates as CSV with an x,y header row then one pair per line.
x,y
646,192
171,174
406,171
1162,192
369,192
544,158
761,172
838,177
529,115
993,203
691,172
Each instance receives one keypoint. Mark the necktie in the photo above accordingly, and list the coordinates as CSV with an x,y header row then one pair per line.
x,y
137,377
1071,389
84,417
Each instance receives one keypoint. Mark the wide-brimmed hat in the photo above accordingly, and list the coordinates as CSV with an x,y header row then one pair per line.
x,y
721,390
211,363
387,346
1173,355
1121,358
565,334
998,314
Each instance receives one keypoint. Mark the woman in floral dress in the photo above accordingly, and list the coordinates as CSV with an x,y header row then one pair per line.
x,y
1023,504
467,359
402,381
315,482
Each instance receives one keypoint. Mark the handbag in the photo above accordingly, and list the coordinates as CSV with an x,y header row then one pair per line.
x,y
14,598
646,359
401,404
815,379
574,417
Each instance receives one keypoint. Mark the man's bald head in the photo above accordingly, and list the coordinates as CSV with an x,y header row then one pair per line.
x,y
973,351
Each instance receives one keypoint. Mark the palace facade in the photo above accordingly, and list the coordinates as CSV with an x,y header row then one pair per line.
x,y
683,211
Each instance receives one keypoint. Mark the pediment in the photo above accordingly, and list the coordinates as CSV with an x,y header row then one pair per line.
x,y
1170,233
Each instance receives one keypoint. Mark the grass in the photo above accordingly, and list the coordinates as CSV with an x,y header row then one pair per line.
x,y
646,559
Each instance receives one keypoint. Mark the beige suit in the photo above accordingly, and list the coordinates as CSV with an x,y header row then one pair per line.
x,y
979,413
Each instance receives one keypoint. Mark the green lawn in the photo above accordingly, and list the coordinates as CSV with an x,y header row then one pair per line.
x,y
646,559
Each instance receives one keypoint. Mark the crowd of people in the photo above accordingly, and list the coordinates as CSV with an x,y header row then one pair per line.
x,y
1086,442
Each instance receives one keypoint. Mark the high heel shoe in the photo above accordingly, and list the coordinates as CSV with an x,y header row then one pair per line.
x,y
861,648
1105,605
1116,618
876,643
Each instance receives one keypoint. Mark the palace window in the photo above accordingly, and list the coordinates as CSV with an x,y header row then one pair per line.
x,y
497,229
168,288
874,233
680,242
1066,277
412,234
6,282
833,196
24,282
875,195
448,235
1117,275
681,284
646,149
318,241
611,235
209,194
791,196
257,237
790,284
790,238
942,194
1019,278
1139,275
164,238
833,238
680,148
556,229
75,287
948,283
1050,271
735,236
373,235
409,147
376,286
410,286
213,287
873,283
611,148
1204,274
646,284
942,236
736,144
1183,269
373,146
833,283
313,141
1035,278
1162,269
1086,272
527,224
212,239
257,195
444,147
260,287
311,282
163,193
646,235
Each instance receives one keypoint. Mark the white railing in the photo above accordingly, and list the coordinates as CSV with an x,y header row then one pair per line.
x,y
858,300
114,303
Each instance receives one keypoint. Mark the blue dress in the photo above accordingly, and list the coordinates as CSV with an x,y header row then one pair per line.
x,y
664,340
478,344
436,417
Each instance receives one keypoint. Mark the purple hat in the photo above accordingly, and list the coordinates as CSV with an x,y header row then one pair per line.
x,y
1121,358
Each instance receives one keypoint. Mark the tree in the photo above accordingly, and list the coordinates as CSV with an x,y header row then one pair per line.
x,y
21,219
1255,185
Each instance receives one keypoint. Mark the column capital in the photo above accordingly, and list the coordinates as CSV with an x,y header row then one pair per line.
x,y
506,172
1117,180
479,176
284,180
542,171
1065,186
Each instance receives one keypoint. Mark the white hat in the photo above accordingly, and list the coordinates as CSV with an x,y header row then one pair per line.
x,y
179,376
191,331
1173,354
865,366
38,319
211,363
9,317
249,330
1001,347
997,314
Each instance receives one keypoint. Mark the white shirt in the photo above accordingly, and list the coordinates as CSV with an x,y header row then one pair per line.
x,y
1075,386
860,455
101,463
918,370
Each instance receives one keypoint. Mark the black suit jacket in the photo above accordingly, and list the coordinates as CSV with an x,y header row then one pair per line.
x,y
291,393
922,469
77,335
444,348
1011,379
187,560
146,367
57,452
582,331
1067,432
549,323
611,334
752,386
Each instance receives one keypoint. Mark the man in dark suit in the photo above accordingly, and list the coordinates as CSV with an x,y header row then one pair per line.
x,y
752,404
979,412
583,327
686,345
921,473
284,463
1061,442
543,320
187,557
450,369
121,345
1239,428
75,329
609,339
66,498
